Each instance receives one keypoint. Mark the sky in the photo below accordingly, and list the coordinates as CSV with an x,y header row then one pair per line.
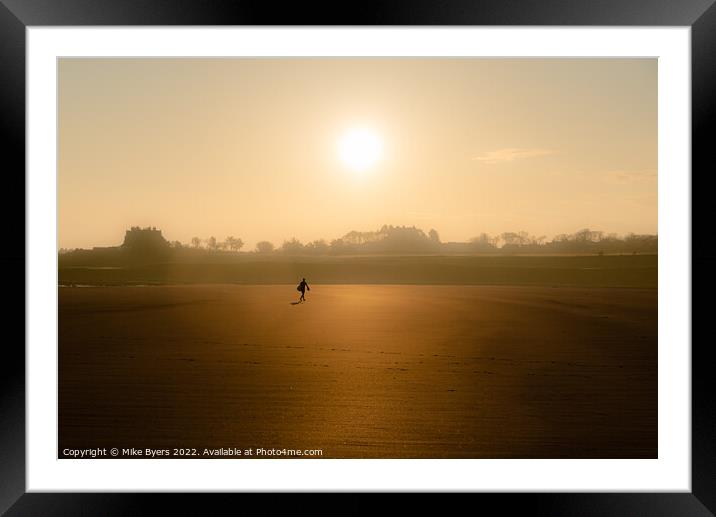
x,y
255,148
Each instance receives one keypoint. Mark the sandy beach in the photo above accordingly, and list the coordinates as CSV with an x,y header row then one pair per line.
x,y
362,371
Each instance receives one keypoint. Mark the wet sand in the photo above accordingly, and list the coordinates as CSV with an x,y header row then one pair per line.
x,y
362,371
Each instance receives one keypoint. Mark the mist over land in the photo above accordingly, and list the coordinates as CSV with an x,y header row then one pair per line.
x,y
400,255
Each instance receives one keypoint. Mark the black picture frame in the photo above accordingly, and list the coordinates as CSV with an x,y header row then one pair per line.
x,y
17,15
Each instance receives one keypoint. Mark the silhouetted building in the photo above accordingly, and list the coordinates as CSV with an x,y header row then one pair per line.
x,y
144,239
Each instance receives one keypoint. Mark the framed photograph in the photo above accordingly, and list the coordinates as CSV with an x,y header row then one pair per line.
x,y
419,251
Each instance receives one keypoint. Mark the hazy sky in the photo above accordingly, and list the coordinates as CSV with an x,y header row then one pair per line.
x,y
251,147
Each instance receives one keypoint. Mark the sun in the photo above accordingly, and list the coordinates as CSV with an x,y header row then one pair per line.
x,y
360,149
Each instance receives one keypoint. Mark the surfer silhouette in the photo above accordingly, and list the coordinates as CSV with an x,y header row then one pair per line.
x,y
303,287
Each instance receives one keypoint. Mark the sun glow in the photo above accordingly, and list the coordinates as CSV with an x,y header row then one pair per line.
x,y
360,149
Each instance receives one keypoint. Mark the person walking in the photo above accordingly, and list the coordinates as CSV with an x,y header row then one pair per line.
x,y
303,287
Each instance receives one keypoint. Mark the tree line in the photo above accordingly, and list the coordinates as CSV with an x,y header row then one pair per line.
x,y
409,239
230,243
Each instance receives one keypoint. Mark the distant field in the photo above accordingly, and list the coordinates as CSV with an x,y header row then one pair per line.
x,y
586,271
362,371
